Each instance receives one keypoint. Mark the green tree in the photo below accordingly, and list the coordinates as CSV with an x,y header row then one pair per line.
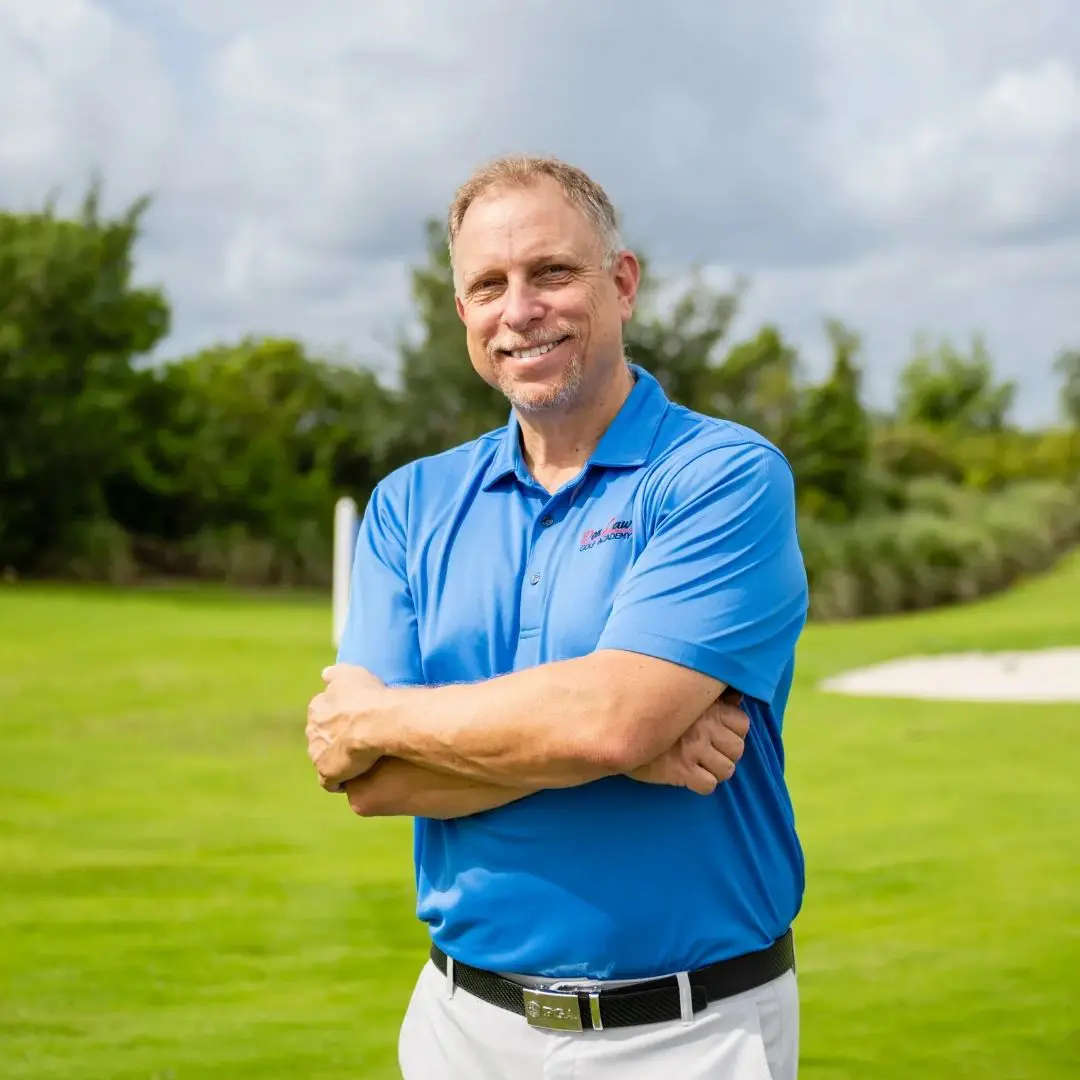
x,y
941,387
71,325
757,384
1067,365
679,345
830,442
258,435
442,400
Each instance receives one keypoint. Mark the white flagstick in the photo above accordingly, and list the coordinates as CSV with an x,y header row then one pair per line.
x,y
345,516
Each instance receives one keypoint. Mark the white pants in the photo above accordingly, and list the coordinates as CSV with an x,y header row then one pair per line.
x,y
751,1036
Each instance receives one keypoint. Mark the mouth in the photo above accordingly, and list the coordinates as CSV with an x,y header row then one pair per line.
x,y
535,352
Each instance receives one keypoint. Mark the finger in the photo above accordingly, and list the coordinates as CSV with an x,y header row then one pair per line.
x,y
335,765
719,763
701,781
729,743
734,719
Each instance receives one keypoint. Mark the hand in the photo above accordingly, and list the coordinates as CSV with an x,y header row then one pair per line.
x,y
707,753
335,723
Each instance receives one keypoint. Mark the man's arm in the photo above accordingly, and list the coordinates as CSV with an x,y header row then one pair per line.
x,y
704,757
381,597
717,598
556,725
392,787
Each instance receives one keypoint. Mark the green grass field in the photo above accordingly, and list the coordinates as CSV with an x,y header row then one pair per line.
x,y
178,898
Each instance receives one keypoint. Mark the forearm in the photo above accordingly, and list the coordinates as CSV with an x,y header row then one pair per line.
x,y
555,725
393,787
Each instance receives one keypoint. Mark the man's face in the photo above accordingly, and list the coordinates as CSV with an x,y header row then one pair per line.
x,y
543,318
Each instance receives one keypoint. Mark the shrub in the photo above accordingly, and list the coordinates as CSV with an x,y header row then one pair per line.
x,y
950,544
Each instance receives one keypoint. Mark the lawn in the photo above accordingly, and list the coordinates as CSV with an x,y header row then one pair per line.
x,y
179,900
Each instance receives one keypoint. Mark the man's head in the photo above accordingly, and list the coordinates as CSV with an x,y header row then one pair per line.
x,y
543,285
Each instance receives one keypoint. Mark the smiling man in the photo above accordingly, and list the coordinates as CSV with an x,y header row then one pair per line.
x,y
549,631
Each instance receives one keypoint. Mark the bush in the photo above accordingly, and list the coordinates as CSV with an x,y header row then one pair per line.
x,y
1004,458
985,461
911,451
951,544
94,551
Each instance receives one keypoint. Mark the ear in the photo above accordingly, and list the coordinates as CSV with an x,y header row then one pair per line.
x,y
627,275
460,307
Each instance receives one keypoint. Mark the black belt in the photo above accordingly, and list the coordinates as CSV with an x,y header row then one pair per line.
x,y
593,1008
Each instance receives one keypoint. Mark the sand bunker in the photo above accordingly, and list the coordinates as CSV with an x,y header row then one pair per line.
x,y
1048,675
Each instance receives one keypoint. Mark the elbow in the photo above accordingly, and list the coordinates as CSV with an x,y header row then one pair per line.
x,y
633,735
624,750
623,744
367,798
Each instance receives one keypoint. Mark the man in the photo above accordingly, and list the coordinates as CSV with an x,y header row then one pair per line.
x,y
543,625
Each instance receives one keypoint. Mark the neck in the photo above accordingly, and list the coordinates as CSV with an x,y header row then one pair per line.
x,y
556,446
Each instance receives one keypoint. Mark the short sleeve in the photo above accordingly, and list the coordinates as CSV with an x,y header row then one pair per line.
x,y
380,632
720,585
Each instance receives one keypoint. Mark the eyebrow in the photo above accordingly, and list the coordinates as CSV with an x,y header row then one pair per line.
x,y
548,257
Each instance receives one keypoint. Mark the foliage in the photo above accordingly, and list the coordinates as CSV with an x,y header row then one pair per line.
x,y
225,464
678,343
950,544
1067,367
442,401
71,323
830,446
238,457
941,387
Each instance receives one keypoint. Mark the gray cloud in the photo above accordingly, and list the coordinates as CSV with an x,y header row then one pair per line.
x,y
908,168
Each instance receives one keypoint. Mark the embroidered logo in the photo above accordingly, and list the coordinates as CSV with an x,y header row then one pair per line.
x,y
613,530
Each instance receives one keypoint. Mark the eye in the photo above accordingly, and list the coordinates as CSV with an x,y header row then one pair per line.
x,y
486,285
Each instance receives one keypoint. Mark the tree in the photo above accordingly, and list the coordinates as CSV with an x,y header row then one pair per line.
x,y
941,387
679,347
71,325
256,434
757,384
442,401
830,441
1067,365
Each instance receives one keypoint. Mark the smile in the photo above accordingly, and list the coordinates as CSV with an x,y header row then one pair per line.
x,y
533,353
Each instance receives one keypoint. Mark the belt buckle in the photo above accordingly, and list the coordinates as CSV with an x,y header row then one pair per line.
x,y
553,1010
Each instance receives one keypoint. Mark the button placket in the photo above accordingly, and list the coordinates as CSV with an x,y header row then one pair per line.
x,y
532,594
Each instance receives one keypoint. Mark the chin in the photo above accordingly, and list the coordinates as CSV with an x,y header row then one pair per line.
x,y
547,395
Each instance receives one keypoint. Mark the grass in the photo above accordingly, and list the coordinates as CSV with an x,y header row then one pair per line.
x,y
179,900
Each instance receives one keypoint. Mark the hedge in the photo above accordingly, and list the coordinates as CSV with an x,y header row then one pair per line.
x,y
950,544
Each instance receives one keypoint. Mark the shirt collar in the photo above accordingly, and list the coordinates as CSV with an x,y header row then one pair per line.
x,y
626,443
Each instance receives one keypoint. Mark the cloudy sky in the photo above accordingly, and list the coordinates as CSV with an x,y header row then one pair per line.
x,y
908,168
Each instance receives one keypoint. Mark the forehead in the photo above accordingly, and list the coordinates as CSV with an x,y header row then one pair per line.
x,y
515,225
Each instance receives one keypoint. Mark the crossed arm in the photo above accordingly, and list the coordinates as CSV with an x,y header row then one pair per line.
x,y
393,787
457,750
722,564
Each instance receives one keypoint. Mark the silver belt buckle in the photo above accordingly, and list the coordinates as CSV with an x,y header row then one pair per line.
x,y
552,1010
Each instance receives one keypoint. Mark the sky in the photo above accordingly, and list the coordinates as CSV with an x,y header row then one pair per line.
x,y
911,170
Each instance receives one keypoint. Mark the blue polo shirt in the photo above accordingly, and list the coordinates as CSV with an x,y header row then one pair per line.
x,y
677,540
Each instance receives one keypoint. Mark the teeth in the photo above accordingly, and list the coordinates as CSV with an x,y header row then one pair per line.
x,y
531,354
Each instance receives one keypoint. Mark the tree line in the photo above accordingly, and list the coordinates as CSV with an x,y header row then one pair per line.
x,y
225,464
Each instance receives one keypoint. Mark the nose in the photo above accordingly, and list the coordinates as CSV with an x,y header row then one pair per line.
x,y
522,305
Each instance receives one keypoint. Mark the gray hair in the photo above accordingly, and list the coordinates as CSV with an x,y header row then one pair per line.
x,y
522,170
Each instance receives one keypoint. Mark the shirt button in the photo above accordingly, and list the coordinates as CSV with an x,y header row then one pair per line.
x,y
535,579
547,520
